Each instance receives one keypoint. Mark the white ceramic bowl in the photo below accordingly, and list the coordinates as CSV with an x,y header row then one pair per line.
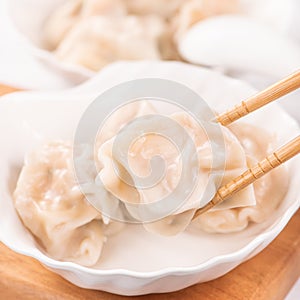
x,y
27,18
134,261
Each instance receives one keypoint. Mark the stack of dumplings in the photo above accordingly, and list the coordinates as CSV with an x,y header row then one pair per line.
x,y
51,205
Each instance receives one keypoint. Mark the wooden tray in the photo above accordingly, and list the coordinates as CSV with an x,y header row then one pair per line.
x,y
268,276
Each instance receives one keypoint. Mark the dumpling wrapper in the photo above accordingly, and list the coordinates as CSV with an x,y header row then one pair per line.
x,y
119,118
51,206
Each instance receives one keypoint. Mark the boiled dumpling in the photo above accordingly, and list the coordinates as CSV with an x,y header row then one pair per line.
x,y
62,20
139,155
53,208
269,190
97,41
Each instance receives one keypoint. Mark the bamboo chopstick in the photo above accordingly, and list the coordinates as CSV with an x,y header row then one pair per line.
x,y
264,97
274,160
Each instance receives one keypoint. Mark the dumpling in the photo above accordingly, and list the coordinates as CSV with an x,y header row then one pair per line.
x,y
51,205
193,11
62,20
269,190
98,41
164,8
233,163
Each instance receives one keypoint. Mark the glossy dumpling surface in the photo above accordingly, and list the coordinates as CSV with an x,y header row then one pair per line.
x,y
51,206
210,175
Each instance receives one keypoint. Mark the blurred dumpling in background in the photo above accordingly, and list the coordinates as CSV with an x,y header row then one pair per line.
x,y
103,7
71,12
60,22
193,11
98,41
163,8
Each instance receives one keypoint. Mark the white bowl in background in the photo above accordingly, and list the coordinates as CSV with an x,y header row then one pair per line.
x,y
27,18
136,262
